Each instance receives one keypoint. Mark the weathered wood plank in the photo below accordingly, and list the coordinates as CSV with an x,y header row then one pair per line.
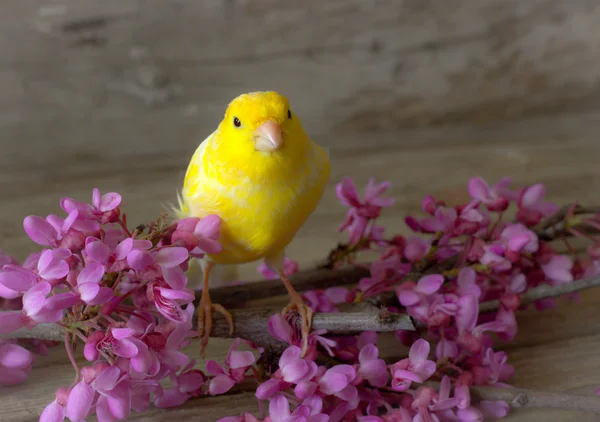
x,y
348,65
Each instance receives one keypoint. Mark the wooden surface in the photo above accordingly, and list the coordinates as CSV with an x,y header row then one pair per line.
x,y
117,94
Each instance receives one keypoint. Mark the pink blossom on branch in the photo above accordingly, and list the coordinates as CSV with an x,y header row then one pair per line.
x,y
127,293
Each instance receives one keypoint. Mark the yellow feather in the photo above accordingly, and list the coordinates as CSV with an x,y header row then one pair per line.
x,y
262,198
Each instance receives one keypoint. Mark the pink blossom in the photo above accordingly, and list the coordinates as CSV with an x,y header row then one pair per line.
x,y
517,238
15,363
53,230
292,370
493,257
123,343
244,417
281,329
308,411
496,198
115,394
237,362
415,249
443,221
168,301
205,232
103,209
416,368
493,409
89,285
289,266
532,206
410,294
559,269
371,367
326,300
361,211
51,267
186,385
55,411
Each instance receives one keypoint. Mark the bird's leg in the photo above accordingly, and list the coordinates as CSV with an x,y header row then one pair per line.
x,y
206,308
297,304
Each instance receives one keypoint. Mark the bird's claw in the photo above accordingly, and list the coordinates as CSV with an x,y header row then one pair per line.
x,y
306,314
205,311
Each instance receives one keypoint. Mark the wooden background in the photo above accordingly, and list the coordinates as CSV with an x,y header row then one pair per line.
x,y
425,93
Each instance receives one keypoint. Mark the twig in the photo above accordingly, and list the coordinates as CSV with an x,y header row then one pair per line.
x,y
518,398
251,324
302,281
545,292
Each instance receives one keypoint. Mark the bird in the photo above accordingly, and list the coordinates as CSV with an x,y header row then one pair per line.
x,y
264,177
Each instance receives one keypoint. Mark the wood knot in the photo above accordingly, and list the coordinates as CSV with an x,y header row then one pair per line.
x,y
521,400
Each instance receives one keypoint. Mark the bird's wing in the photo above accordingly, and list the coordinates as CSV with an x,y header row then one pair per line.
x,y
192,181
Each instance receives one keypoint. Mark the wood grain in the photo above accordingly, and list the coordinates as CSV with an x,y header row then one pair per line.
x,y
424,93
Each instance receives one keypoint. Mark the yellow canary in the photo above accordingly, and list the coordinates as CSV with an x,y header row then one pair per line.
x,y
262,174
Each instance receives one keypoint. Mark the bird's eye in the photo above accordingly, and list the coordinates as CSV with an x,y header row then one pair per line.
x,y
236,122
289,114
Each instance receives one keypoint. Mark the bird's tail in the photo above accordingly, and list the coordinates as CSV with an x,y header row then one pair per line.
x,y
177,211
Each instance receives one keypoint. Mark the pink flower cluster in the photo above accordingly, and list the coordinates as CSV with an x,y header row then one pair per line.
x,y
127,300
124,295
368,390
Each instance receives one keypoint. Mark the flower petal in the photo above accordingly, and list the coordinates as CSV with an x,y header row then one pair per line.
x,y
18,281
39,230
367,353
91,273
171,257
175,277
220,384
347,193
97,251
123,249
79,402
430,284
268,388
289,355
239,359
279,408
280,329
294,371
54,412
14,356
479,189
107,379
407,297
125,348
332,383
139,259
208,227
88,291
109,201
419,351
121,333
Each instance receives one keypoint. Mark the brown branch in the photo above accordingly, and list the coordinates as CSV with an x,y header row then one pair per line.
x,y
302,281
519,398
546,292
251,324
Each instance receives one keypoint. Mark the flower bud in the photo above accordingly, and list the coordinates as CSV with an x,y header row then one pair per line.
x,y
511,301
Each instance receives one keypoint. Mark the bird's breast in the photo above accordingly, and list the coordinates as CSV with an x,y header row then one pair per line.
x,y
260,217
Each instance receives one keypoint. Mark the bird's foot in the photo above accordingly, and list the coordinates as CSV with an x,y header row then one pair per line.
x,y
205,311
306,314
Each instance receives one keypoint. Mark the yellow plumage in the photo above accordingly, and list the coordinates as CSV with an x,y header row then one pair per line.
x,y
263,198
262,174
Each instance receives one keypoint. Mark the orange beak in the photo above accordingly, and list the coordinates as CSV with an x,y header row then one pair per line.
x,y
268,137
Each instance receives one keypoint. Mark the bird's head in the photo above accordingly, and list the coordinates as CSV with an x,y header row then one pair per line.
x,y
261,122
